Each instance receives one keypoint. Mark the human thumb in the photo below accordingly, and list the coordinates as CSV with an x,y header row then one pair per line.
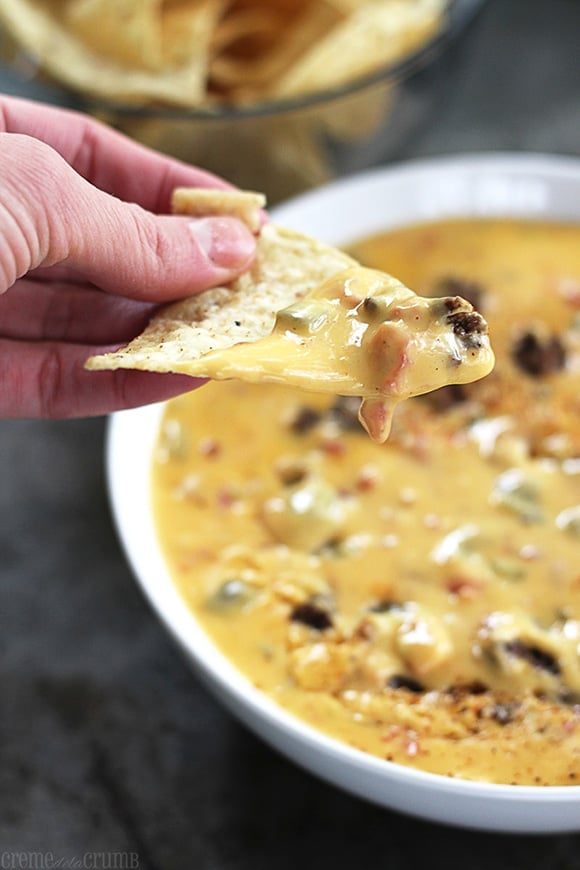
x,y
50,215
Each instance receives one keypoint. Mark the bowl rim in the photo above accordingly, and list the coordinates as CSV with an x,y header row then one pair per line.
x,y
459,15
144,554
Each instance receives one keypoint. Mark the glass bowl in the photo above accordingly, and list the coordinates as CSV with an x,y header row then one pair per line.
x,y
288,146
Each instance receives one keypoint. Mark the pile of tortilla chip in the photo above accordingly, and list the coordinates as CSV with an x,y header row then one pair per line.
x,y
206,53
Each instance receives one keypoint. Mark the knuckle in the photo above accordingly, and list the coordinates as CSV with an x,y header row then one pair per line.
x,y
13,262
85,158
34,187
156,251
51,383
28,157
59,318
121,382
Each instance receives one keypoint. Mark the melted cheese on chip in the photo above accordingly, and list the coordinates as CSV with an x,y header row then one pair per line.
x,y
308,315
363,333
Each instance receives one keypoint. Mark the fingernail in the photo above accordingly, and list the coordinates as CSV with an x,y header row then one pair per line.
x,y
227,242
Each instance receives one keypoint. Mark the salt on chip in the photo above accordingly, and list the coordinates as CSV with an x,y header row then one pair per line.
x,y
287,267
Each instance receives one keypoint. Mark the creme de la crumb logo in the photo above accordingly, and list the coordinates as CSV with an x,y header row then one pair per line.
x,y
86,861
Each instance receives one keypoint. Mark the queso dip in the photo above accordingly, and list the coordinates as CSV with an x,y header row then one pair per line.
x,y
419,599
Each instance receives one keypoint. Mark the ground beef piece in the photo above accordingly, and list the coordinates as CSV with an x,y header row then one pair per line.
x,y
538,356
459,690
344,412
470,290
305,420
447,397
469,326
401,681
538,658
569,697
312,615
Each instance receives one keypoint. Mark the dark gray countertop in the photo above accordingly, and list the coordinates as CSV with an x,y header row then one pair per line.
x,y
107,742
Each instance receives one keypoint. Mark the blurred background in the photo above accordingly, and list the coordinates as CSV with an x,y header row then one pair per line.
x,y
276,102
338,107
107,742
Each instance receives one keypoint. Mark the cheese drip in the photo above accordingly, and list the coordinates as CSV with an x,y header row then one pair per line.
x,y
363,333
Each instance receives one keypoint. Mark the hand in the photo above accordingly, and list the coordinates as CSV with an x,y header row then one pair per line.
x,y
87,252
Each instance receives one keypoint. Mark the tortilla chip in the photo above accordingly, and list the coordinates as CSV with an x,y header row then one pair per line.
x,y
198,53
241,73
288,265
372,36
202,202
310,316
52,33
126,32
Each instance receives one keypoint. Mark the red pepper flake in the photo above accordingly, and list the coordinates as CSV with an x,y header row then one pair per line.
x,y
367,479
428,240
463,587
432,521
225,498
393,732
412,744
206,554
209,448
529,552
569,290
333,447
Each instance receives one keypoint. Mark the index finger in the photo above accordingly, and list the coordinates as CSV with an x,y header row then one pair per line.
x,y
106,158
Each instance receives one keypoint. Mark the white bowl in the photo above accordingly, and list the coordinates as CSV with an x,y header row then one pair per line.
x,y
539,187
